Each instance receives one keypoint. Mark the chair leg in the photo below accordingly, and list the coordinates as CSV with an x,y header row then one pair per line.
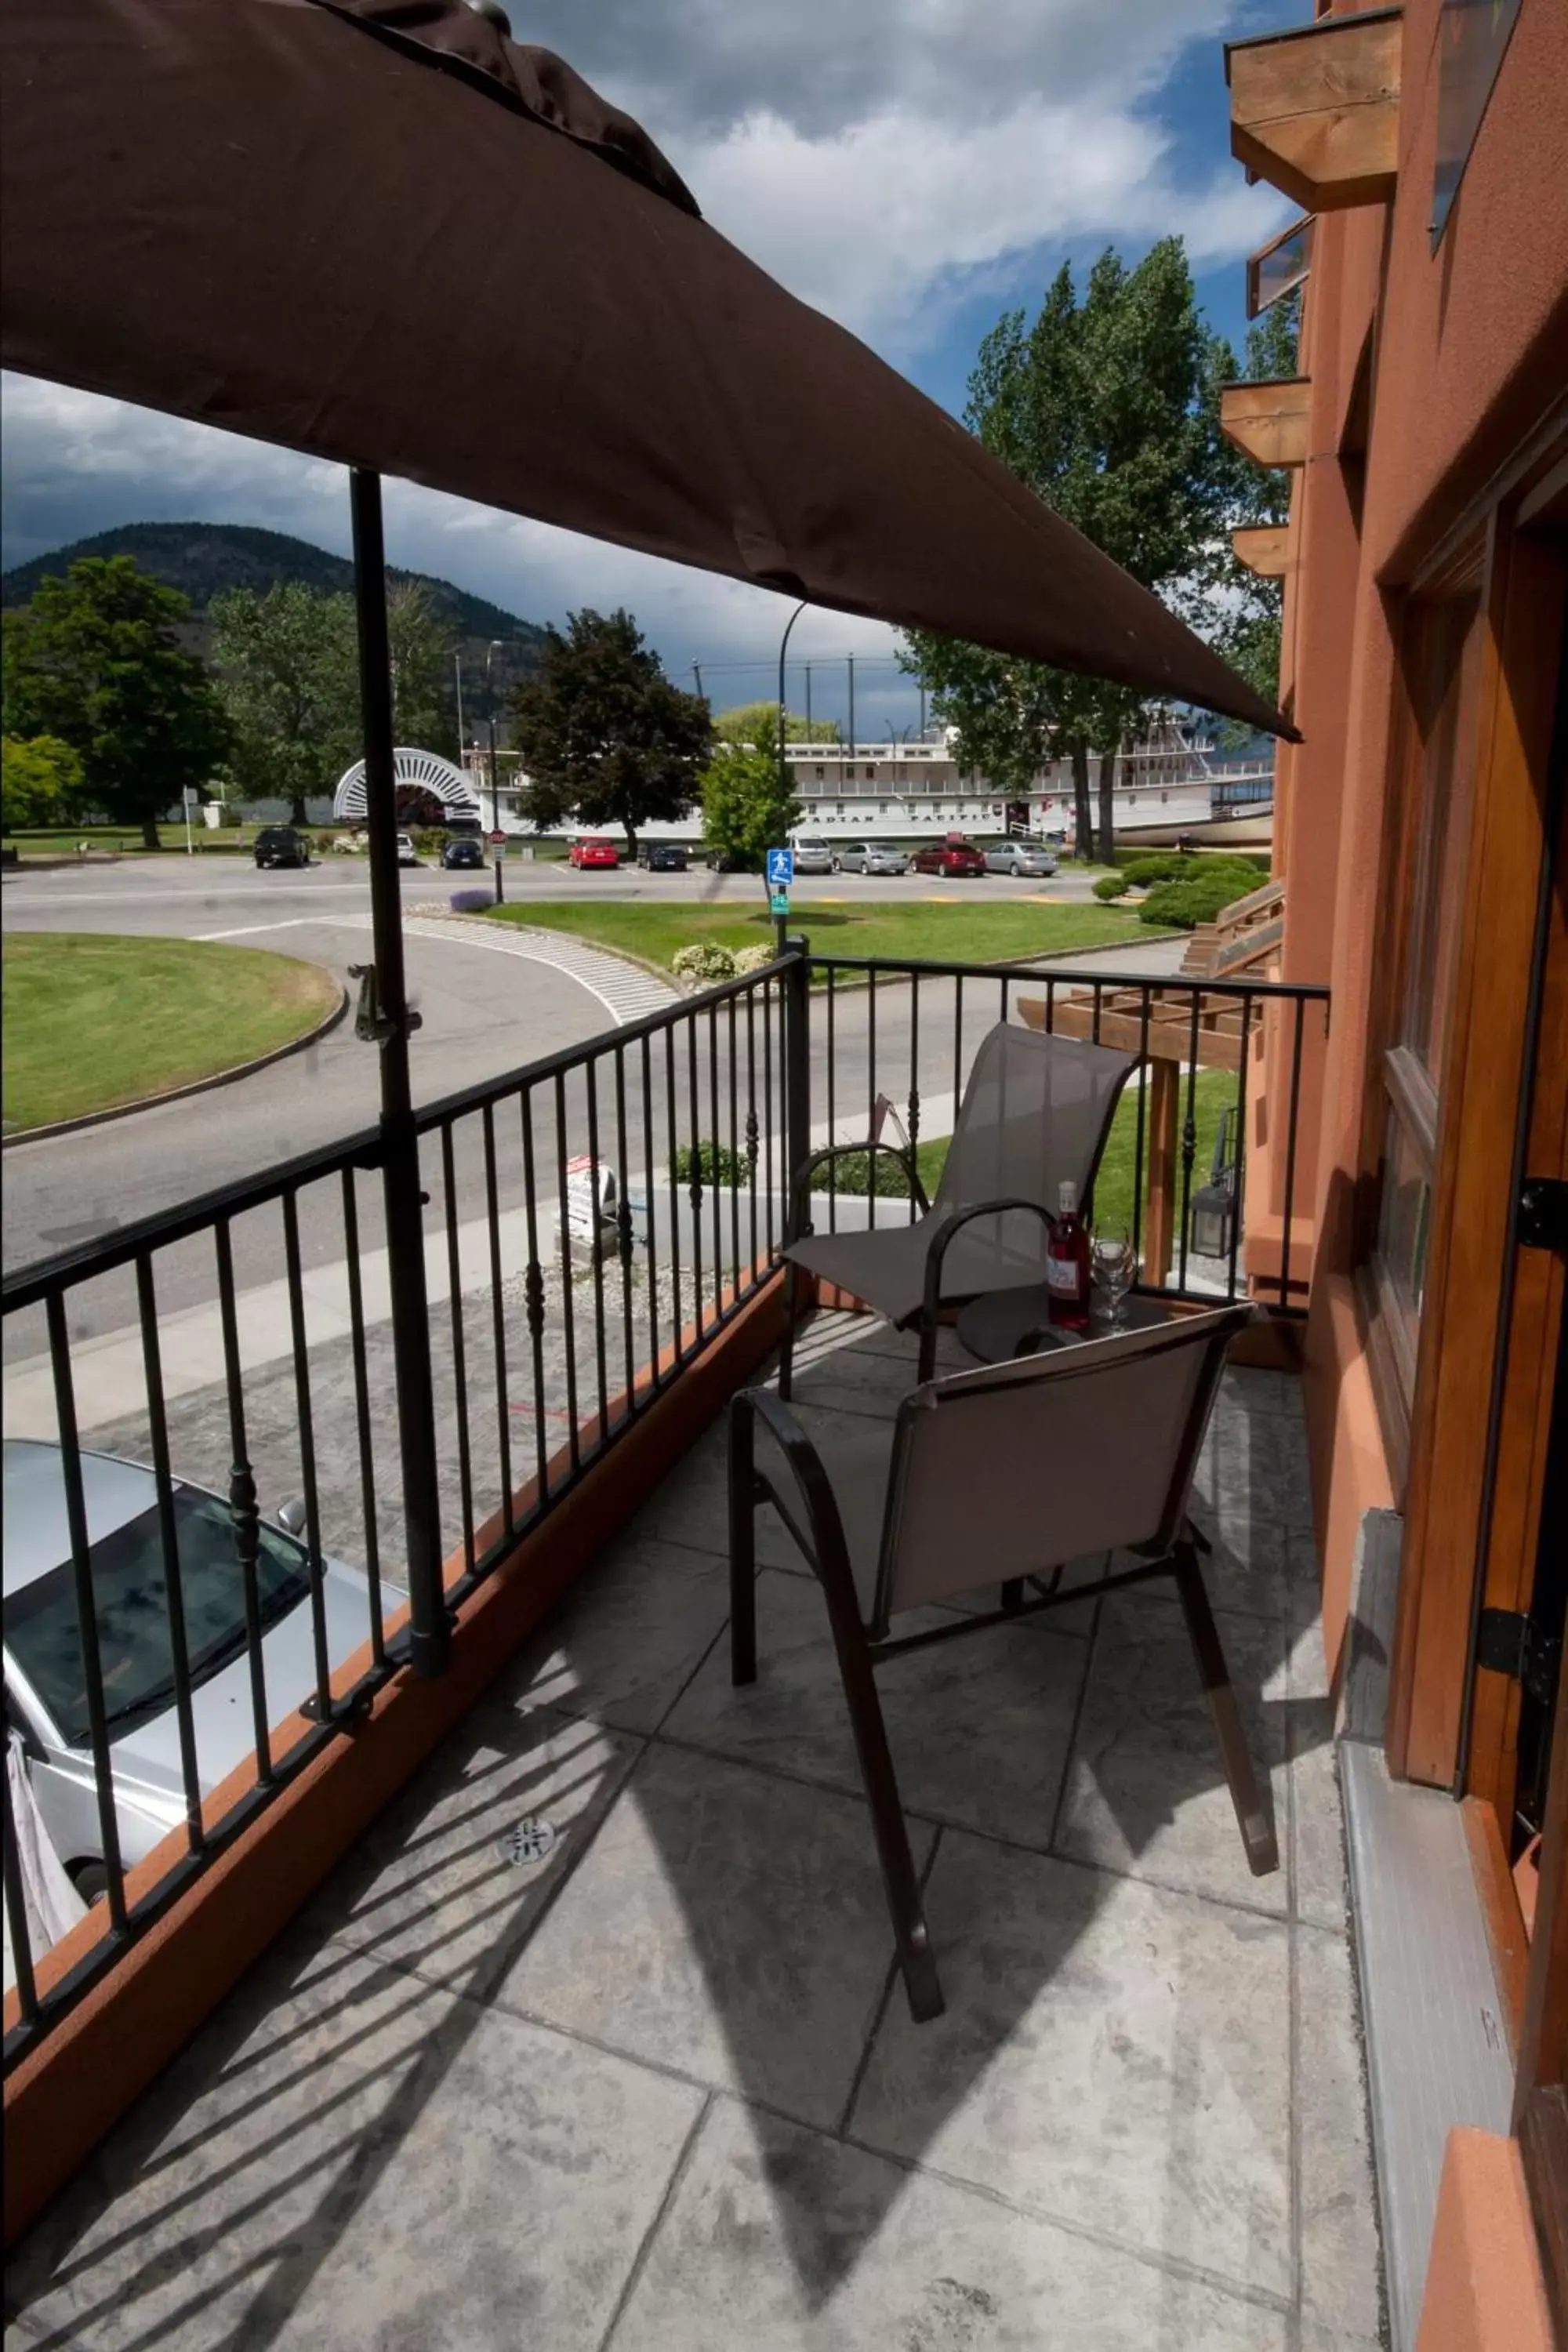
x,y
742,1542
1254,1805
786,1355
922,1986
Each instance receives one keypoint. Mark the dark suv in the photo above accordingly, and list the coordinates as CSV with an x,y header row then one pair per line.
x,y
280,845
463,851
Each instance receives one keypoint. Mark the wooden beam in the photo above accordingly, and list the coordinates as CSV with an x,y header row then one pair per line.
x,y
1267,419
1264,547
1315,111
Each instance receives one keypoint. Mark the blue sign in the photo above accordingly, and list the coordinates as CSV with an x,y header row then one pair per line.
x,y
779,902
781,868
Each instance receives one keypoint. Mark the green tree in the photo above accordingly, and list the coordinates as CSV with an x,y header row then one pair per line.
x,y
741,725
1244,613
747,807
1102,407
603,734
40,782
287,678
94,660
422,644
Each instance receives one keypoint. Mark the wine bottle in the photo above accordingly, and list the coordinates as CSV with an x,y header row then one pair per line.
x,y
1067,1265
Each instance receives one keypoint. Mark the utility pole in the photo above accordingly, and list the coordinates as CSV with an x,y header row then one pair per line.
x,y
851,661
922,714
697,674
458,665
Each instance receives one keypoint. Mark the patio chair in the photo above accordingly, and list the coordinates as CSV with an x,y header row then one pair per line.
x,y
1001,1476
1037,1111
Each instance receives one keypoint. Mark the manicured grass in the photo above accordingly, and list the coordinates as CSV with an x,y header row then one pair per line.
x,y
92,1020
125,840
1214,1095
957,930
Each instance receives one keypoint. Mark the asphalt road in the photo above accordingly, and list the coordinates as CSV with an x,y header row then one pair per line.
x,y
484,1016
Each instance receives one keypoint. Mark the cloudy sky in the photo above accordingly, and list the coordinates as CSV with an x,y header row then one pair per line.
x,y
912,167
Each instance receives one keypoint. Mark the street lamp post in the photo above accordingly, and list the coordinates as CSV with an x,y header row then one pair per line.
x,y
490,708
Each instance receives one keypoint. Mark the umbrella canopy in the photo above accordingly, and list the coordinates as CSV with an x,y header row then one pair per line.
x,y
380,232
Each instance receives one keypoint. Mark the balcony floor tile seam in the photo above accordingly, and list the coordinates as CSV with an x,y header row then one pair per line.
x,y
640,2262
930,1819
1242,2291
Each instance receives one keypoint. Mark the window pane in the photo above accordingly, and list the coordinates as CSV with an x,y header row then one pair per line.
x,y
1445,716
1404,1229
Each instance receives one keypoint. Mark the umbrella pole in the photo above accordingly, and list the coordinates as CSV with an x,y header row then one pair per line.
x,y
428,1635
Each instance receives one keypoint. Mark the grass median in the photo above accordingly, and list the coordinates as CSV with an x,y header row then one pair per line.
x,y
93,1022
957,933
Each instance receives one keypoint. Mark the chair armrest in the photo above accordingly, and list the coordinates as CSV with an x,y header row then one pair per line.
x,y
904,1155
823,1541
945,1233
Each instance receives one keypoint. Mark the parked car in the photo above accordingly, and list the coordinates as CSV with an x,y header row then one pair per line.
x,y
953,856
593,853
1021,854
662,856
280,845
869,857
46,1697
813,856
465,852
729,861
406,852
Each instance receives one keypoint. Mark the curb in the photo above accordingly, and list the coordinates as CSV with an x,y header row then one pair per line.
x,y
177,1093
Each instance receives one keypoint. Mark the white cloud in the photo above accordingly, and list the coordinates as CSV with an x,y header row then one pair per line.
x,y
884,224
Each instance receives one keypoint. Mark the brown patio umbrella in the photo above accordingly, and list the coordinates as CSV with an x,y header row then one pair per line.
x,y
381,232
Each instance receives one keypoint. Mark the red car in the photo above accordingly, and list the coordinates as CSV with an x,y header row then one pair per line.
x,y
593,853
952,856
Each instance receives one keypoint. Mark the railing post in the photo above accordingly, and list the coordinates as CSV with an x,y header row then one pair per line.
x,y
428,1639
796,1071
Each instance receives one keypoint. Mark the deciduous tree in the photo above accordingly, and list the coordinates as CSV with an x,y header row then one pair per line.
x,y
747,807
603,735
287,673
741,722
94,661
40,782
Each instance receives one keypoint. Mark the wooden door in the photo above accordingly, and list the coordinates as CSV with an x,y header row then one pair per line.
x,y
1490,1316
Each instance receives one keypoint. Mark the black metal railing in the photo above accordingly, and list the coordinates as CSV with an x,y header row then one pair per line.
x,y
591,1223
898,1038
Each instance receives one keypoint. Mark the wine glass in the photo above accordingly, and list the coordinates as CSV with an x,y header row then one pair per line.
x,y
1114,1266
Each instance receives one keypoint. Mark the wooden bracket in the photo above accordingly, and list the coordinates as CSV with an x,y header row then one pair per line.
x,y
1315,111
1268,419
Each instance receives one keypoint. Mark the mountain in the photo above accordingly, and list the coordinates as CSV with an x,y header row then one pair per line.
x,y
205,558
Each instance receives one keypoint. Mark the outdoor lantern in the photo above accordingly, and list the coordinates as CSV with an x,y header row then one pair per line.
x,y
1209,1221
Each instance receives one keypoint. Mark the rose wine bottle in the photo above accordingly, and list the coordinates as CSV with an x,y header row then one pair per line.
x,y
1067,1265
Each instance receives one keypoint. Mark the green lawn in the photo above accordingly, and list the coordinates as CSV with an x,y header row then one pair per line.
x,y
92,1020
957,930
1216,1094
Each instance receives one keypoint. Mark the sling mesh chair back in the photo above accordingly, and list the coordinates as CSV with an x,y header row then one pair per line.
x,y
1002,1476
1036,1111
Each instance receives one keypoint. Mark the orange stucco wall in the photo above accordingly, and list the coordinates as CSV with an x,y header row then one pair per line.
x,y
1465,349
1485,2292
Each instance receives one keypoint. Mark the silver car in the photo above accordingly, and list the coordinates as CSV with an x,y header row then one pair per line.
x,y
813,856
1021,854
45,1700
869,857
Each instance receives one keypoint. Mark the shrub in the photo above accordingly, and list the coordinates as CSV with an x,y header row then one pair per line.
x,y
715,1161
1197,899
752,960
472,902
708,961
848,1174
1110,886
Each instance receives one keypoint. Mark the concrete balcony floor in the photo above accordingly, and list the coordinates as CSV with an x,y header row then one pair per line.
x,y
657,2089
